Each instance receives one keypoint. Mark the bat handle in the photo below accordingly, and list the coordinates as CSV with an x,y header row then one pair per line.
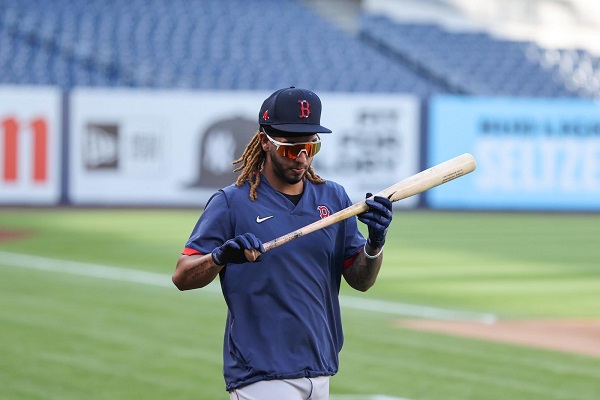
x,y
251,254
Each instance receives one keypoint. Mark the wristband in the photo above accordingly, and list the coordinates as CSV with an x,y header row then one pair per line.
x,y
370,257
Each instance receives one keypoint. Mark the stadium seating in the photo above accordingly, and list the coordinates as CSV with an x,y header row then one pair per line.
x,y
209,44
472,62
576,68
264,44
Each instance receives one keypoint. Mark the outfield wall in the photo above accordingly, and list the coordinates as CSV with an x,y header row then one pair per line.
x,y
532,154
176,148
31,135
123,147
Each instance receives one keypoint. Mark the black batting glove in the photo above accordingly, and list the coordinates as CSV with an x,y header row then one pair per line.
x,y
232,251
378,219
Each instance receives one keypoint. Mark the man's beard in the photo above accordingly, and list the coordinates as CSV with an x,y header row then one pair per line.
x,y
285,172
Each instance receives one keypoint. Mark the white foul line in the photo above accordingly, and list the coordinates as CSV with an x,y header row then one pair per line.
x,y
164,280
412,310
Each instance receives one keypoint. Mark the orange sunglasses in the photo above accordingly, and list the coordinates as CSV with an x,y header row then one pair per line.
x,y
293,150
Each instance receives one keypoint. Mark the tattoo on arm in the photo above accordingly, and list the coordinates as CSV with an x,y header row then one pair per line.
x,y
197,273
206,267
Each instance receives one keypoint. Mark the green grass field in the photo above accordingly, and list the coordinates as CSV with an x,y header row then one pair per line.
x,y
73,330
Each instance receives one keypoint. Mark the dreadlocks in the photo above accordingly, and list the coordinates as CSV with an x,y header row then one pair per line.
x,y
251,163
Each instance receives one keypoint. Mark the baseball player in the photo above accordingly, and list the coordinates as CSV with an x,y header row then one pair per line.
x,y
284,332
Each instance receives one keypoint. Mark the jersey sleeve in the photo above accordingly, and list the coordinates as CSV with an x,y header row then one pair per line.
x,y
213,227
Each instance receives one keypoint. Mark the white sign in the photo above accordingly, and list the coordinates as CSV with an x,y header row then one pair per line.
x,y
132,147
30,145
374,144
156,147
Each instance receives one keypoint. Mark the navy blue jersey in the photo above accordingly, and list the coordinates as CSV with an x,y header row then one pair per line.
x,y
283,318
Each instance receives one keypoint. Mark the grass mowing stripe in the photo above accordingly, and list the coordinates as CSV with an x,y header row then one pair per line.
x,y
500,383
74,338
454,347
515,360
455,372
164,280
468,371
470,375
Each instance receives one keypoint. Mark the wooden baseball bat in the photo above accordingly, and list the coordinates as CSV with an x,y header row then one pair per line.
x,y
424,180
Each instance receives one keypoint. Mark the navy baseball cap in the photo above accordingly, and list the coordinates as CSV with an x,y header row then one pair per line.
x,y
293,112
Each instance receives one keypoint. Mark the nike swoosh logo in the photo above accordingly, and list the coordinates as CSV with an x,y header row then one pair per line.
x,y
259,219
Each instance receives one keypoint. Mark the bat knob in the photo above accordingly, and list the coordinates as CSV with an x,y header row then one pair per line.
x,y
251,254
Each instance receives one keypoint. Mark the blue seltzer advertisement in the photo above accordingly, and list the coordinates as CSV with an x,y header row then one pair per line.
x,y
532,154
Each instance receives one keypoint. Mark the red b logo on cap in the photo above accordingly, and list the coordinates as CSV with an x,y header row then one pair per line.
x,y
304,108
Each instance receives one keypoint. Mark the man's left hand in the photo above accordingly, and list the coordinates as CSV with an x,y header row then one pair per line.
x,y
377,218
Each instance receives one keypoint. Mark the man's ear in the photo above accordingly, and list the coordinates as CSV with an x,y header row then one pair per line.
x,y
264,142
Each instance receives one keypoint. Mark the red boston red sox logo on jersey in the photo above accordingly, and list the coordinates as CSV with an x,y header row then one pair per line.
x,y
304,108
323,211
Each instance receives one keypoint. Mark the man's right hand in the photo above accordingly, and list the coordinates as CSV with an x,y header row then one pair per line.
x,y
232,251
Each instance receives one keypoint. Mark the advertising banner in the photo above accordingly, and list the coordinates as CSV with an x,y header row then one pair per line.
x,y
532,154
375,142
30,145
171,148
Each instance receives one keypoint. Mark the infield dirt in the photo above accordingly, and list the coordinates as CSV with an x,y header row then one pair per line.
x,y
573,336
9,234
